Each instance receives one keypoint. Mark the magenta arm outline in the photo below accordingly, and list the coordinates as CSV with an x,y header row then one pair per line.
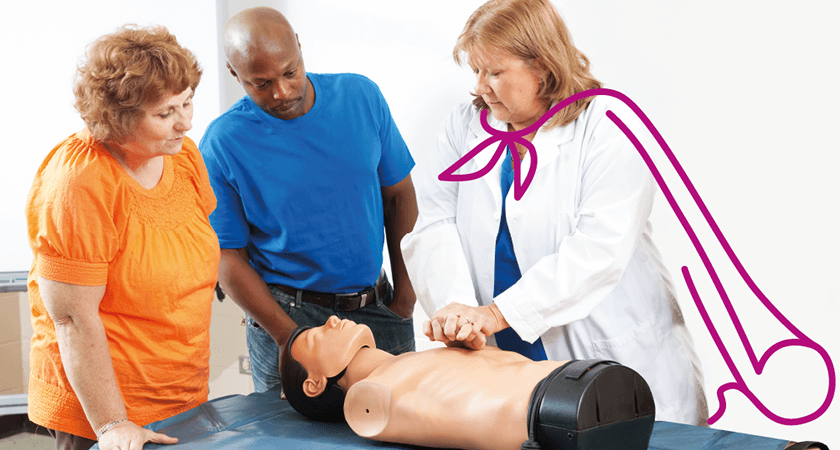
x,y
506,138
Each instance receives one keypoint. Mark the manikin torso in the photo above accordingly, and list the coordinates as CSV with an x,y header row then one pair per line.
x,y
447,397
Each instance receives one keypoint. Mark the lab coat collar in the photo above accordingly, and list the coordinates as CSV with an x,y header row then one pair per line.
x,y
546,142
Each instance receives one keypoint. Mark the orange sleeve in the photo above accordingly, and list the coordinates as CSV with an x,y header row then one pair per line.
x,y
70,215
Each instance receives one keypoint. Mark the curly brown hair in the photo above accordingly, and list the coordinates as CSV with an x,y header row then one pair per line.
x,y
531,29
126,71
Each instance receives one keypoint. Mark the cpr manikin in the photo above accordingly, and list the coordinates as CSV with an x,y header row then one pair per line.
x,y
455,397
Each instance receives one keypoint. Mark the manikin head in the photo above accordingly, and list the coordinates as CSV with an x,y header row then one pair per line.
x,y
314,360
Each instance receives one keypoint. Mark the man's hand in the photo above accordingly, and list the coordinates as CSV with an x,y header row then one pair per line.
x,y
403,306
281,348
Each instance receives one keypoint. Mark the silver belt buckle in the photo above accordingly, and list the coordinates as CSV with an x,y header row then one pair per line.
x,y
367,298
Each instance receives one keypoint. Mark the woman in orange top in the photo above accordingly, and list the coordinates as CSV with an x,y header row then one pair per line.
x,y
125,260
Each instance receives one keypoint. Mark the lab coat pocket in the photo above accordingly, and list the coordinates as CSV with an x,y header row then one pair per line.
x,y
631,347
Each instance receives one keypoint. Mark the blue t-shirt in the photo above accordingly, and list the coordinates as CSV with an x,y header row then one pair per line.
x,y
304,195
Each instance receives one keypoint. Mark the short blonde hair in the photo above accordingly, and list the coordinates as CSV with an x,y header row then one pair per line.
x,y
127,70
530,29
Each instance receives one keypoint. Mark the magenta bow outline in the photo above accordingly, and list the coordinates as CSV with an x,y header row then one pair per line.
x,y
509,139
758,364
506,139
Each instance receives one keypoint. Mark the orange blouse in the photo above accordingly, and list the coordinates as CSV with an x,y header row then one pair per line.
x,y
91,224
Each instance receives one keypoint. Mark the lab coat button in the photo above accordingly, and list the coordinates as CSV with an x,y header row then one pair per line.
x,y
497,216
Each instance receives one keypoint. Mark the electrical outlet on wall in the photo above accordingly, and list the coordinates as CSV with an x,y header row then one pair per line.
x,y
245,364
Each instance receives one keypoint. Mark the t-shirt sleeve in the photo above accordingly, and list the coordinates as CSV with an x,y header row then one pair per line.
x,y
396,162
70,224
228,219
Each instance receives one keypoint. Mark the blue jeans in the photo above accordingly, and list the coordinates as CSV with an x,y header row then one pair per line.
x,y
393,333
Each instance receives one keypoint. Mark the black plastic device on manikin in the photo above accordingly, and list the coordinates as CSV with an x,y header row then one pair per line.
x,y
591,405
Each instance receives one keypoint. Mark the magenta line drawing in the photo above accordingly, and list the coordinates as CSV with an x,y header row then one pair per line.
x,y
739,384
505,138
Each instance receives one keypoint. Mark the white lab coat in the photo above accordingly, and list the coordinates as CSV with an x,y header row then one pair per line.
x,y
593,284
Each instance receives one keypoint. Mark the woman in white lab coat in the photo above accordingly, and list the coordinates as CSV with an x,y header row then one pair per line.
x,y
569,271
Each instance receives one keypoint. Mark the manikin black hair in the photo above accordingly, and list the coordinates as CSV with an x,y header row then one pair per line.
x,y
327,407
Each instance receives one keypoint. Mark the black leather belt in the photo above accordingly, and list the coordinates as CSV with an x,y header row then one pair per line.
x,y
340,302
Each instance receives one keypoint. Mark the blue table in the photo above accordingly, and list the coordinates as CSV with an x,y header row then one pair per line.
x,y
263,421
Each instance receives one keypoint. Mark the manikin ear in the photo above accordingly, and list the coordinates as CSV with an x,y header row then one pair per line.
x,y
314,387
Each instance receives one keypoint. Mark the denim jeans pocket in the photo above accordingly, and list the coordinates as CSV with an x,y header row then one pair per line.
x,y
393,333
285,300
386,311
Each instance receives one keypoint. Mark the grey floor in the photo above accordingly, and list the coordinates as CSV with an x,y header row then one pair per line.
x,y
27,441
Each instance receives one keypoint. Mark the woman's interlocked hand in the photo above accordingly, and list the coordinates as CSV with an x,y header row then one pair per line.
x,y
460,325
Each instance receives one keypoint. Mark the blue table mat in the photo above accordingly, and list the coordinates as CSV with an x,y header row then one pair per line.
x,y
263,421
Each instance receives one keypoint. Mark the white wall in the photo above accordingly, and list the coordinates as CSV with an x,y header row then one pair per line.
x,y
745,93
43,41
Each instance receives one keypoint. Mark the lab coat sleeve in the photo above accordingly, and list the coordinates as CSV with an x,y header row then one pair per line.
x,y
433,253
616,194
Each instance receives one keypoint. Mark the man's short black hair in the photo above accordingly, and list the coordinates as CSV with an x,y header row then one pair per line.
x,y
327,407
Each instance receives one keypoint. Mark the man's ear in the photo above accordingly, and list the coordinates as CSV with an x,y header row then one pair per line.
x,y
232,72
314,387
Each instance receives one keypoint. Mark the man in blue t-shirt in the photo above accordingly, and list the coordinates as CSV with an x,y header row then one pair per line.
x,y
307,168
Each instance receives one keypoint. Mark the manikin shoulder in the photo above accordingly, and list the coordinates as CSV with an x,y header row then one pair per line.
x,y
367,408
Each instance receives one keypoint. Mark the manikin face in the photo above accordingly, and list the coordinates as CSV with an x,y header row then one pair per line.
x,y
274,77
508,85
163,127
327,350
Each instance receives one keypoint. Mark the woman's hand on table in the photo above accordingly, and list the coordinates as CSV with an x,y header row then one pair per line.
x,y
129,436
459,325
